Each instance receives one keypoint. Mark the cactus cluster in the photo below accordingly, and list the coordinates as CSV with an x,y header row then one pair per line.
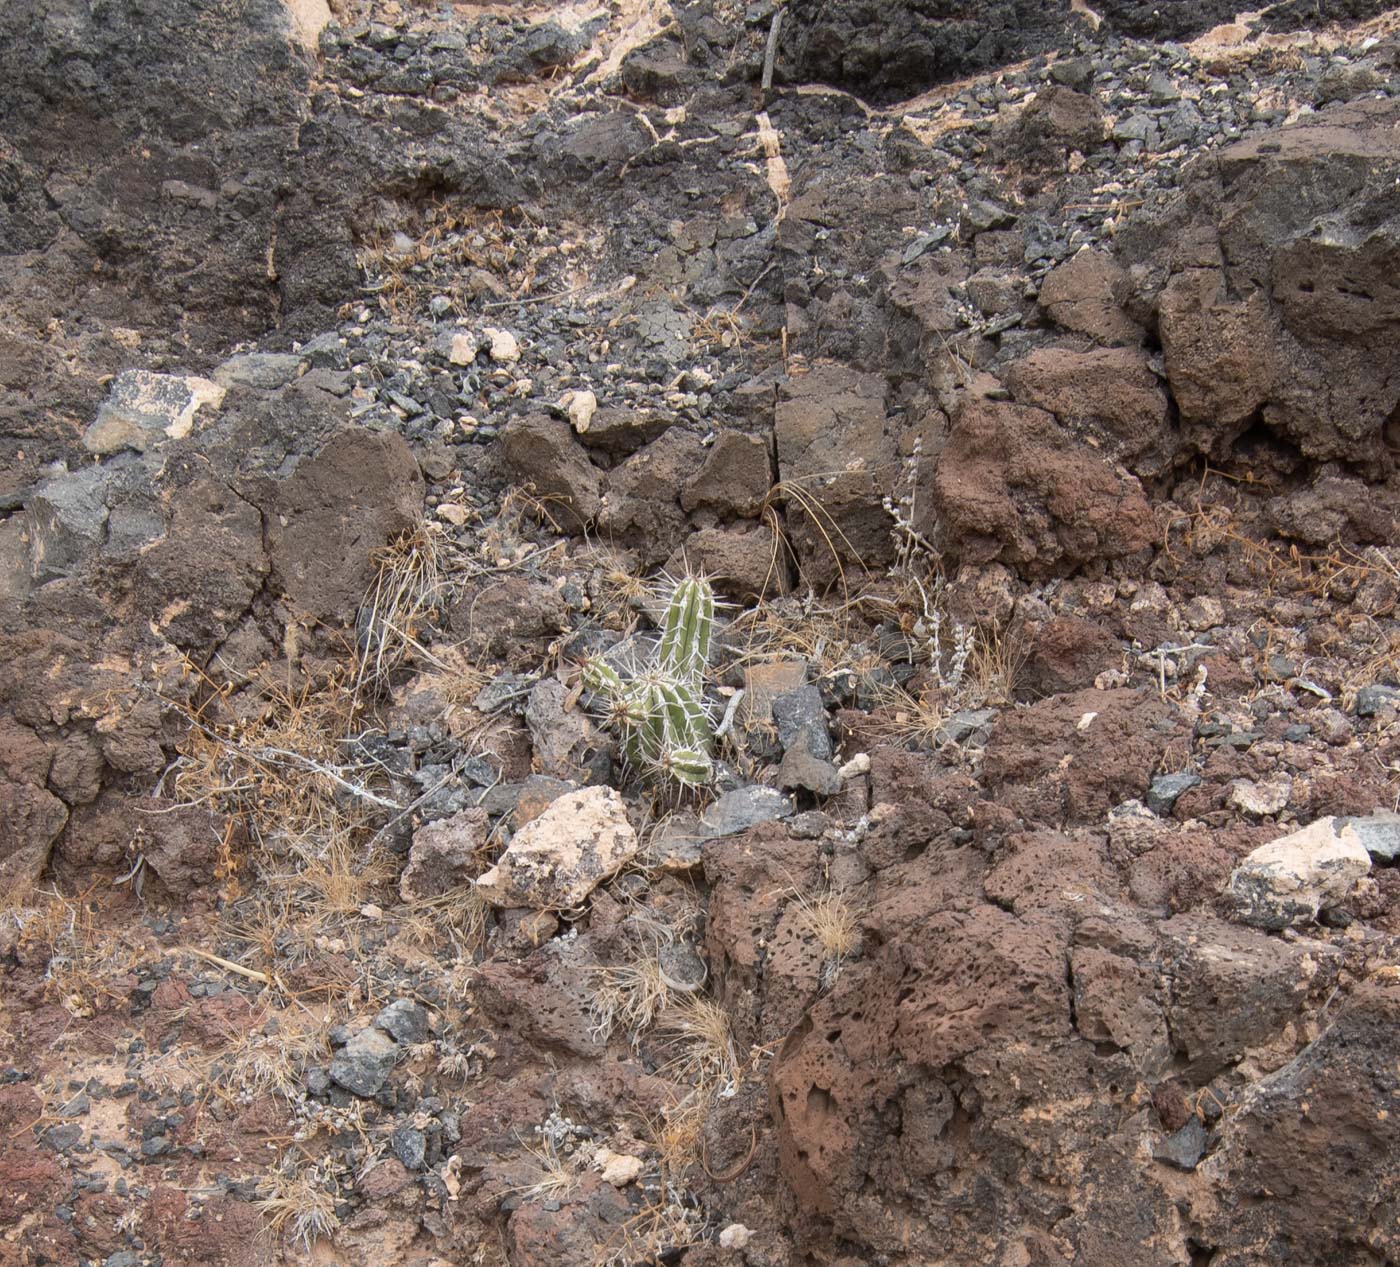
x,y
660,710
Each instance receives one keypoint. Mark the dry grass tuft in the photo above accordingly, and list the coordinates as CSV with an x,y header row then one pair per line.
x,y
831,919
415,577
299,1202
268,1058
629,996
85,964
556,1175
696,1030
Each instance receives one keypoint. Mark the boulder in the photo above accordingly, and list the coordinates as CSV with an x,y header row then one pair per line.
x,y
1291,879
1082,295
556,860
358,494
837,460
1273,280
1107,397
1012,486
641,505
543,456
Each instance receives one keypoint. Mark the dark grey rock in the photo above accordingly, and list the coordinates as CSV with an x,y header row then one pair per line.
x,y
66,519
743,808
1166,788
682,966
363,1065
1371,699
1379,834
410,1146
1185,1148
403,1020
802,713
318,1081
964,725
802,769
264,371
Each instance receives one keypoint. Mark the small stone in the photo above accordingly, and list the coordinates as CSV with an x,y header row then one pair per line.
x,y
1185,1148
263,371
505,347
1379,834
318,1081
743,808
801,719
580,407
439,305
460,348
735,1236
442,855
965,725
403,1020
856,766
1370,700
1289,880
682,968
410,1146
144,408
558,859
453,513
802,769
1161,91
619,1169
363,1065
1262,799
676,845
1166,788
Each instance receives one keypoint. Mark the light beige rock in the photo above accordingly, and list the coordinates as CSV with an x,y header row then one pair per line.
x,y
556,860
1261,798
143,408
580,406
505,347
462,349
735,1236
1289,880
619,1169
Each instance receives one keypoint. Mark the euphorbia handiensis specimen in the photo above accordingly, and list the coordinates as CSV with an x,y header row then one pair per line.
x,y
661,711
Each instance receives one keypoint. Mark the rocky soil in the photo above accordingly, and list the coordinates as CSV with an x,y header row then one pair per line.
x,y
1026,377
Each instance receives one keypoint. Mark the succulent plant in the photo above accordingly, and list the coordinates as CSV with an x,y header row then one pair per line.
x,y
661,711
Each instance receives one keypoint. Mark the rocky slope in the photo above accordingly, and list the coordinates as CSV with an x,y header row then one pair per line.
x,y
1027,380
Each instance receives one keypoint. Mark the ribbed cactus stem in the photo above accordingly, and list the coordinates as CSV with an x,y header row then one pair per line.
x,y
687,628
661,713
685,765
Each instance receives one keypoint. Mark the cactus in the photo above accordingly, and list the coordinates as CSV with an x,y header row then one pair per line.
x,y
661,712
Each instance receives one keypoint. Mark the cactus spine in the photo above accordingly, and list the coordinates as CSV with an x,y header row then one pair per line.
x,y
661,711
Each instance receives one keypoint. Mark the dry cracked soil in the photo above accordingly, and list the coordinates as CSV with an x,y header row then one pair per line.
x,y
1026,379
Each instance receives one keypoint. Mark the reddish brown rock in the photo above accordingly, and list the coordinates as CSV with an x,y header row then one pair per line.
x,y
1082,295
358,494
545,459
746,566
1268,317
837,455
1067,655
735,479
1108,397
508,617
1071,758
1012,486
641,506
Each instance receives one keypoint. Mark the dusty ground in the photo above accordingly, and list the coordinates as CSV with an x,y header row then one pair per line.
x,y
1027,382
